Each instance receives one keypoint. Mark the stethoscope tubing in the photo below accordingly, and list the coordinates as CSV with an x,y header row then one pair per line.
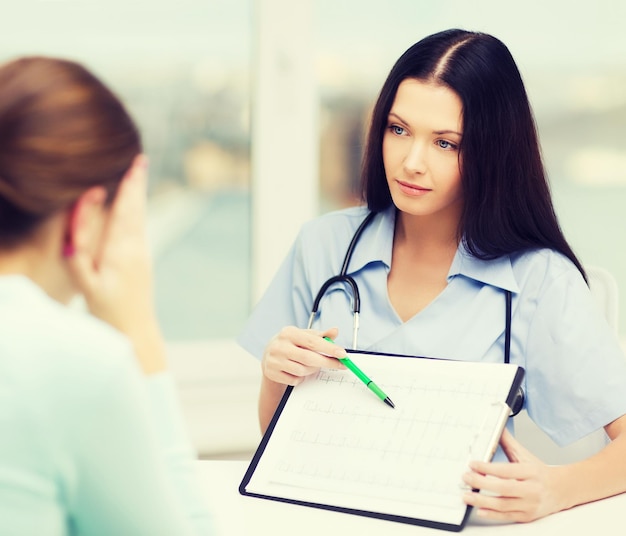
x,y
344,278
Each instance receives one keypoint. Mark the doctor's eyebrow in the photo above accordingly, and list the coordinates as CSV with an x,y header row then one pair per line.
x,y
441,132
393,115
396,116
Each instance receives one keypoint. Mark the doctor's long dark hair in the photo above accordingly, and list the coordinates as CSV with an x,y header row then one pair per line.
x,y
507,202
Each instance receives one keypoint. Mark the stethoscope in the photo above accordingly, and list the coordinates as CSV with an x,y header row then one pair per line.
x,y
343,277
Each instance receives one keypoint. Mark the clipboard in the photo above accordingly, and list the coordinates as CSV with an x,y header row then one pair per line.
x,y
333,445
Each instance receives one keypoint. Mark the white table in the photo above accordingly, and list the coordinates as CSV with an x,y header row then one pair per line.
x,y
237,515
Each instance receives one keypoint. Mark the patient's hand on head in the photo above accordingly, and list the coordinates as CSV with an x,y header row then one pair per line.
x,y
116,280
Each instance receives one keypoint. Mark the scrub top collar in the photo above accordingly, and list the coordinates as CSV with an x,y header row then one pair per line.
x,y
376,242
495,272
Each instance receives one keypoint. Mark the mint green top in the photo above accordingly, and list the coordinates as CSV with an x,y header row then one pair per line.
x,y
88,445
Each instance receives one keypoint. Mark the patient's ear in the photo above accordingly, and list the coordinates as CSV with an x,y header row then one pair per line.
x,y
85,223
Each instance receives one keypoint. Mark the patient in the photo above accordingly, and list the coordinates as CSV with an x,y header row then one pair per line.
x,y
91,437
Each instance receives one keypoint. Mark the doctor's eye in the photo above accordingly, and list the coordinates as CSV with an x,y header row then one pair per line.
x,y
397,130
447,145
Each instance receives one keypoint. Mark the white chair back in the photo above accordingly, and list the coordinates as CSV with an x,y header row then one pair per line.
x,y
604,290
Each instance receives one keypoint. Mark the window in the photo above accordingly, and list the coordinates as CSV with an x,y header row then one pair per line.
x,y
183,70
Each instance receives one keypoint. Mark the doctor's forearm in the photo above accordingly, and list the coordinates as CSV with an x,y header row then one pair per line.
x,y
269,398
602,475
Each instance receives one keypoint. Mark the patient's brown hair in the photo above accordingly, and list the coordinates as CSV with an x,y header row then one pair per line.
x,y
62,131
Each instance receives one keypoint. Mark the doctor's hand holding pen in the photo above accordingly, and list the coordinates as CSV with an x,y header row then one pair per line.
x,y
291,356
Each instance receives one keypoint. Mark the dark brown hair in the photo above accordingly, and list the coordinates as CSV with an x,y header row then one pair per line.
x,y
507,203
62,131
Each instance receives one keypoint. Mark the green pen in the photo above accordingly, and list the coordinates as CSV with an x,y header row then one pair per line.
x,y
363,377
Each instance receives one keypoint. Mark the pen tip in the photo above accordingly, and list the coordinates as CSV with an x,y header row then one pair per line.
x,y
389,402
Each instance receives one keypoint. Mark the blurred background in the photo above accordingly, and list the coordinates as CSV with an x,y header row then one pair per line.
x,y
253,114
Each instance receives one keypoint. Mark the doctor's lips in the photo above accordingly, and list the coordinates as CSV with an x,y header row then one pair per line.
x,y
412,189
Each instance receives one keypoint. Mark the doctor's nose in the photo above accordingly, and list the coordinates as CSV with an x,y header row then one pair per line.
x,y
415,159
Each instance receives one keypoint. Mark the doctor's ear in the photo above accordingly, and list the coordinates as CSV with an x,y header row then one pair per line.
x,y
85,222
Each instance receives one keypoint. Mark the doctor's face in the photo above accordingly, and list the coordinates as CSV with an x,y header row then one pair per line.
x,y
421,150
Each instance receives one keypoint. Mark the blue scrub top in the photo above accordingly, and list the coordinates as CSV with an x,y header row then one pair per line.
x,y
575,379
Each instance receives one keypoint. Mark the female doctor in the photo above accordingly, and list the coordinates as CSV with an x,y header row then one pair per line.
x,y
461,219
